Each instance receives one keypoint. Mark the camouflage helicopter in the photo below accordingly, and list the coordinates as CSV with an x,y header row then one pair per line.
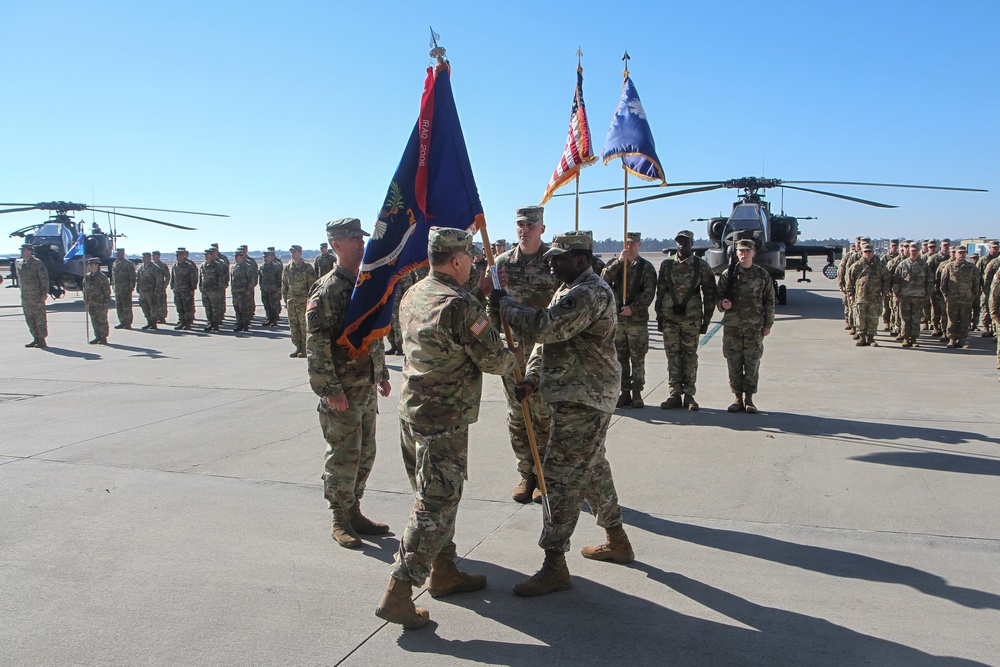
x,y
62,243
775,235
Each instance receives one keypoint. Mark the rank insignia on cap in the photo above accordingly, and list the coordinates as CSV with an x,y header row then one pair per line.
x,y
479,326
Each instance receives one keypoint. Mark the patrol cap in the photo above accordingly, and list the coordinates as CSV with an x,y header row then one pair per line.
x,y
476,251
324,244
271,249
210,250
532,214
684,234
240,252
930,242
634,237
147,254
156,252
180,250
894,242
448,239
344,228
94,260
995,244
867,247
961,248
945,241
244,247
865,239
295,248
745,244
575,240
28,246
215,245
120,251
501,241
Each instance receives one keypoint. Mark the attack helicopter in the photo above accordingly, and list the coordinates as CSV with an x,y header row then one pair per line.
x,y
62,243
775,235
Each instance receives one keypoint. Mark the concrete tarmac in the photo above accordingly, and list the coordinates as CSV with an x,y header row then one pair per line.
x,y
162,505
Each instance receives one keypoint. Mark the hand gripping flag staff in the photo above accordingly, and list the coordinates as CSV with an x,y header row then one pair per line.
x,y
433,186
630,138
579,151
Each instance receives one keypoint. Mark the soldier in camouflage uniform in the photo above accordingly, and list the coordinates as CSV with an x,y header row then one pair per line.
x,y
402,285
33,279
346,387
911,284
296,282
123,278
632,333
224,261
748,314
97,295
325,261
529,282
448,344
849,257
685,300
888,259
994,311
184,282
575,368
161,313
960,287
212,279
256,278
988,265
242,280
148,281
939,318
270,288
894,323
866,284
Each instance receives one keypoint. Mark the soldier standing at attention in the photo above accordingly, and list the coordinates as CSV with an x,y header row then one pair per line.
x,y
888,261
994,311
911,283
448,344
296,282
270,288
161,314
939,318
252,263
224,261
529,282
960,288
212,278
123,275
148,280
97,294
33,279
988,264
241,284
685,300
346,387
852,253
403,284
324,261
748,314
632,334
575,367
866,283
184,281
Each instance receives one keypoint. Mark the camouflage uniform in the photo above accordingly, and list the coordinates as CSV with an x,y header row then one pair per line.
x,y
324,264
632,332
577,372
149,280
960,286
403,284
296,282
894,323
866,284
184,282
242,280
33,279
888,261
224,261
690,283
270,289
529,282
212,279
938,314
97,295
911,283
988,272
161,312
743,324
247,259
994,304
851,256
448,344
123,277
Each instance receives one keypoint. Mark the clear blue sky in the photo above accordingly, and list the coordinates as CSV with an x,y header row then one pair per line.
x,y
286,115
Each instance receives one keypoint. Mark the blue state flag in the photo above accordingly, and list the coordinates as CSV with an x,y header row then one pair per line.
x,y
630,138
75,250
433,187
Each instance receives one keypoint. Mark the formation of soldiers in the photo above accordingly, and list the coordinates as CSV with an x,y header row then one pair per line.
x,y
916,287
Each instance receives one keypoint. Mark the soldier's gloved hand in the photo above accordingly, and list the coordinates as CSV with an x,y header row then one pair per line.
x,y
523,390
495,297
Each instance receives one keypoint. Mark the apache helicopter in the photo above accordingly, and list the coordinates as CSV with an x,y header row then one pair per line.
x,y
61,235
776,236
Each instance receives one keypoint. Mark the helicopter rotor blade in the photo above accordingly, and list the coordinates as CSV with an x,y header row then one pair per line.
x,y
164,210
158,222
17,210
639,187
833,194
889,185
715,186
17,204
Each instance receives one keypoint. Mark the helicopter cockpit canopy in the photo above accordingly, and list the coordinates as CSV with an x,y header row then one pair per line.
x,y
748,220
55,234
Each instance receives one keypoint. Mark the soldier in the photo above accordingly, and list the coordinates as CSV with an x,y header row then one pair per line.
x,y
890,267
97,294
849,257
476,273
212,279
500,247
960,287
747,303
911,284
448,344
866,281
575,367
241,284
224,261
346,387
987,270
888,259
270,288
685,299
402,285
296,282
148,280
123,277
529,282
161,315
994,311
252,263
939,318
324,261
274,252
33,279
184,281
632,333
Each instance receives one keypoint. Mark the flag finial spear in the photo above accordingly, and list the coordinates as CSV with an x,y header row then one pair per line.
x,y
625,59
436,51
579,56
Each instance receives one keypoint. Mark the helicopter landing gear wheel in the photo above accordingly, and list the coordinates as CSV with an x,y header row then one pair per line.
x,y
781,294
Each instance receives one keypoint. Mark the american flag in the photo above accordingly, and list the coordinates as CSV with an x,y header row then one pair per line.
x,y
578,152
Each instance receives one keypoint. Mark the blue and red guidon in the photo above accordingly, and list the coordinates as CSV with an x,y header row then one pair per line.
x,y
75,250
433,187
579,152
630,138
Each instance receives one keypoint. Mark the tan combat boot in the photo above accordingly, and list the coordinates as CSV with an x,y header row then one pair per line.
x,y
617,548
749,406
396,606
446,579
554,576
361,524
690,403
737,405
673,401
522,492
342,531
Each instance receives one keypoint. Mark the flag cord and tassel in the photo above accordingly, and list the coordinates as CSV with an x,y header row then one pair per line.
x,y
518,378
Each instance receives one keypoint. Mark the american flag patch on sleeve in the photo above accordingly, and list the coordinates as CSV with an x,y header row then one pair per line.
x,y
479,326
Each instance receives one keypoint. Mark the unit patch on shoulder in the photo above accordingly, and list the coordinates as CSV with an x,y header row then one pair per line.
x,y
567,303
479,326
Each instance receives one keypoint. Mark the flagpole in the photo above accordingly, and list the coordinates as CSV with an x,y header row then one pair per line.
x,y
86,306
577,224
625,59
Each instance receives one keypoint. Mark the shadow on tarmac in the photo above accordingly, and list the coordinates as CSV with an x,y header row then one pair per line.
x,y
971,465
141,351
89,356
